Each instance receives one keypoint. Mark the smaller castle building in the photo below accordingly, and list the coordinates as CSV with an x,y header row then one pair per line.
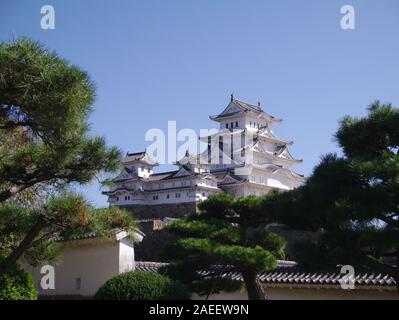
x,y
137,184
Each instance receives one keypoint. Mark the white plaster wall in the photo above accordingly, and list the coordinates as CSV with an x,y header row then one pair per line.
x,y
239,119
253,119
134,199
207,183
284,163
267,146
126,256
281,184
202,195
237,141
177,182
144,171
185,196
92,262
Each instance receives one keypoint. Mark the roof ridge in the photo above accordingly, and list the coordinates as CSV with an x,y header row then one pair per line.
x,y
166,172
247,103
135,153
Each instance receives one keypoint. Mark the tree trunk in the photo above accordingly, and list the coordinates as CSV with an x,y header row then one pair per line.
x,y
396,277
24,245
253,285
7,194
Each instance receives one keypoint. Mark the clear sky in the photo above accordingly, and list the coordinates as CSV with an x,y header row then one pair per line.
x,y
154,61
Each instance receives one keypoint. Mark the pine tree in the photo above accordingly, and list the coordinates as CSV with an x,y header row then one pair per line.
x,y
44,144
353,200
230,234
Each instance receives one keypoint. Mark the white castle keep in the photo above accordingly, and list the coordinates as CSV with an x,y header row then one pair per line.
x,y
243,158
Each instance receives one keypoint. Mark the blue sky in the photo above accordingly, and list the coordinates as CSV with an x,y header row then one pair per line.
x,y
154,61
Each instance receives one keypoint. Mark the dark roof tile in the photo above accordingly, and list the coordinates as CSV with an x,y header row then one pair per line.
x,y
287,273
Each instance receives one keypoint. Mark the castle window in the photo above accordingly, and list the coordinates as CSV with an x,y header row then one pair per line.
x,y
203,194
117,198
78,283
227,125
177,195
250,123
209,149
167,196
236,123
221,144
231,125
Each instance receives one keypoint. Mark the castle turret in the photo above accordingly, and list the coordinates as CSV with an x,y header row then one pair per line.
x,y
139,163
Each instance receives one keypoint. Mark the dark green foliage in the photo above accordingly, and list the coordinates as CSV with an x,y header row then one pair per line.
x,y
50,101
42,91
45,145
230,234
142,286
353,200
16,284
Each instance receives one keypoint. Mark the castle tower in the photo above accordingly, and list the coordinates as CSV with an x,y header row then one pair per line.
x,y
246,156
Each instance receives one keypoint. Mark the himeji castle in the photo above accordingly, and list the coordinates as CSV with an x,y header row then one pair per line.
x,y
243,158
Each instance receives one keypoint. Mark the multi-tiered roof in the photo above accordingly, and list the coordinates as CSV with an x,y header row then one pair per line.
x,y
261,158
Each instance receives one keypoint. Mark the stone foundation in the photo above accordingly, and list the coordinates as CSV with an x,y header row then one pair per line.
x,y
153,243
155,240
160,211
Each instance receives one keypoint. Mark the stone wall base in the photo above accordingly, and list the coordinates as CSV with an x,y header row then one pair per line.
x,y
160,211
154,241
